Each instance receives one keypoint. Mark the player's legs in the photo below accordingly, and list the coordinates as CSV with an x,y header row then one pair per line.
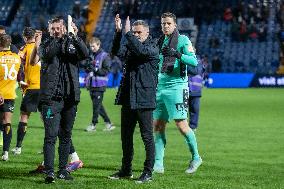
x,y
7,134
145,119
160,144
51,118
102,111
22,129
74,157
177,108
191,141
108,125
7,109
68,115
161,117
186,131
29,104
96,97
75,162
1,128
128,124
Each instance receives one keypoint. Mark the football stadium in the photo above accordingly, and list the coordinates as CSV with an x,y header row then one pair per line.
x,y
142,94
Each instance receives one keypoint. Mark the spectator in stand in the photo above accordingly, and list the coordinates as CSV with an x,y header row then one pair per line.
x,y
239,9
216,64
228,15
262,31
235,30
214,42
265,11
243,30
251,13
253,32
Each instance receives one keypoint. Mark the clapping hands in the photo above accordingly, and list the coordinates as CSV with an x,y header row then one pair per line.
x,y
118,24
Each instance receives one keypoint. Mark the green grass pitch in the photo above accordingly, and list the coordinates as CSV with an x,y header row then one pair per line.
x,y
240,138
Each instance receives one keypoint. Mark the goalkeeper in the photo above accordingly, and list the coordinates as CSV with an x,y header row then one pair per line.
x,y
176,54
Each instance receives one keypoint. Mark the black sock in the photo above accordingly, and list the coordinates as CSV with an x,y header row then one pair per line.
x,y
21,132
7,136
72,149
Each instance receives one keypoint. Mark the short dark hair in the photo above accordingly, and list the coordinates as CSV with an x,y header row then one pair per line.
x,y
29,33
169,14
57,19
5,40
140,22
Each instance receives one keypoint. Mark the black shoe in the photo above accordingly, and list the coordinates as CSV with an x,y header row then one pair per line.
x,y
50,178
145,177
121,175
38,170
65,175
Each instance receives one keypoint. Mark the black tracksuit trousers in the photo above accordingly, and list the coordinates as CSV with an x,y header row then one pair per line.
x,y
58,121
129,118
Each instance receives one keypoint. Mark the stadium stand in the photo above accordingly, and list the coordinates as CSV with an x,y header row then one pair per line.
x,y
213,33
252,55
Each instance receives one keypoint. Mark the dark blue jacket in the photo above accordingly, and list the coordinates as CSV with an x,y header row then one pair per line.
x,y
195,80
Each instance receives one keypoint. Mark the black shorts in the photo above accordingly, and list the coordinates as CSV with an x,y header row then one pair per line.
x,y
8,106
30,101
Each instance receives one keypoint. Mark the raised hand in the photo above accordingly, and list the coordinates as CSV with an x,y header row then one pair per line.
x,y
74,28
118,25
38,36
127,25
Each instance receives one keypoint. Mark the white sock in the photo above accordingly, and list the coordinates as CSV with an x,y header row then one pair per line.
x,y
74,157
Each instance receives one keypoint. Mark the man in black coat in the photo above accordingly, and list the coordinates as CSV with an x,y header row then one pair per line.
x,y
59,93
137,93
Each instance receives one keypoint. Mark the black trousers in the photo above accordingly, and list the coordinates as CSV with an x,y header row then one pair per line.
x,y
58,120
194,106
129,118
98,108
72,148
